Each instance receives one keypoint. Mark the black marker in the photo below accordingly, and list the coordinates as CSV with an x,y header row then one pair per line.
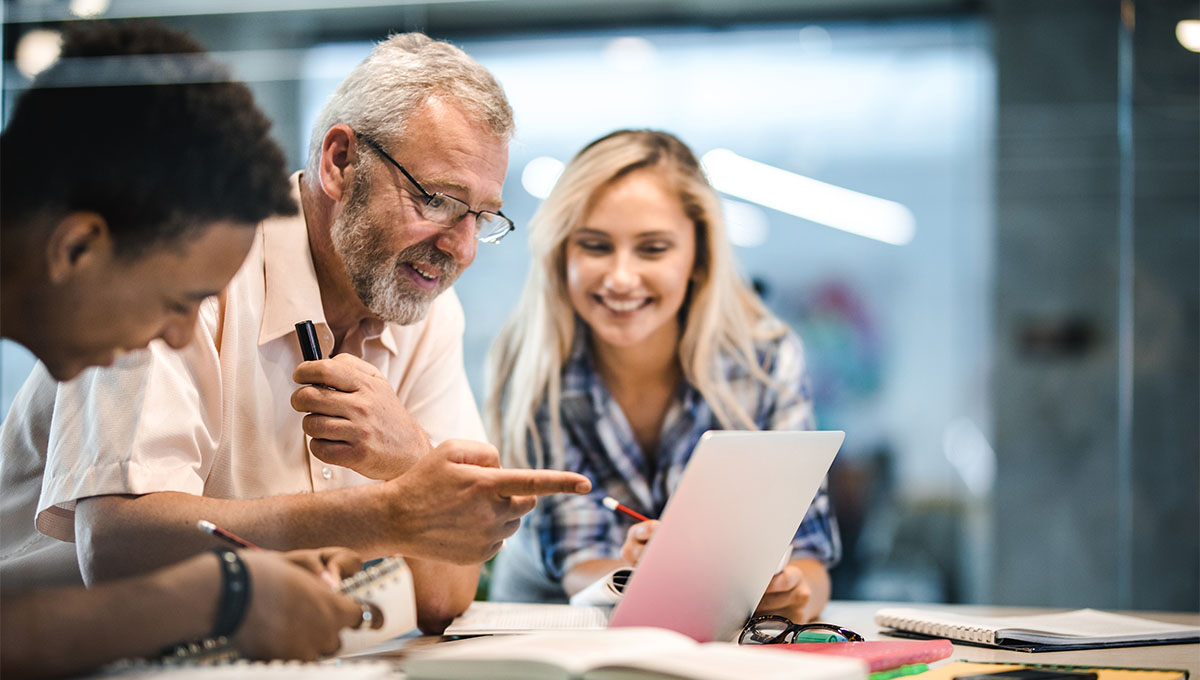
x,y
306,333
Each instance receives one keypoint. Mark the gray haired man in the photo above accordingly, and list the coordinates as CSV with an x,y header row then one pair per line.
x,y
379,448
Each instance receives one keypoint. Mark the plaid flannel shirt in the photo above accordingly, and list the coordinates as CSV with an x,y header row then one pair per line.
x,y
565,530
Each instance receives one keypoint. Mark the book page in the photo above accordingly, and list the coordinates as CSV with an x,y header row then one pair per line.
x,y
490,618
727,661
543,655
1090,624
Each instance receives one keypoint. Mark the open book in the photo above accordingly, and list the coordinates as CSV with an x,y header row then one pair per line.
x,y
619,654
1079,629
498,618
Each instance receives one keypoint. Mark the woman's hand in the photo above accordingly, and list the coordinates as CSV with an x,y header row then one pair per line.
x,y
787,595
636,540
799,591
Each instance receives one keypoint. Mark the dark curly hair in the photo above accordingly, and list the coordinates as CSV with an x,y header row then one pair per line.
x,y
137,123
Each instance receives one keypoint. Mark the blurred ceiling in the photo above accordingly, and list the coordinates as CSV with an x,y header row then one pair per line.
x,y
350,18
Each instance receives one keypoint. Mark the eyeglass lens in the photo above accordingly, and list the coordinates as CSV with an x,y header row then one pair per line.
x,y
448,210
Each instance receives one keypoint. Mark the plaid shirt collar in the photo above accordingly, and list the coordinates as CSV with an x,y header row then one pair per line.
x,y
592,414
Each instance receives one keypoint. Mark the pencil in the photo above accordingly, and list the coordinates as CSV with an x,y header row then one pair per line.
x,y
227,536
614,505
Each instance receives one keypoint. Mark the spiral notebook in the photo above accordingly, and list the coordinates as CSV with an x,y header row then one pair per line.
x,y
389,586
1079,629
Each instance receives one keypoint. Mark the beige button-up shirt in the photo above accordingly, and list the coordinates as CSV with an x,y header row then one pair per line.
x,y
213,419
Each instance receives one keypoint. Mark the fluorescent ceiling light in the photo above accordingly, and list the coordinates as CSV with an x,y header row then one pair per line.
x,y
746,224
810,199
1188,34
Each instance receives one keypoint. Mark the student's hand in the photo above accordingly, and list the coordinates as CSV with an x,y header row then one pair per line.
x,y
330,564
787,595
293,614
457,505
360,423
636,540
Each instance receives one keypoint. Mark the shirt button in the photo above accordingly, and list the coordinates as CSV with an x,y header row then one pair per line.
x,y
326,473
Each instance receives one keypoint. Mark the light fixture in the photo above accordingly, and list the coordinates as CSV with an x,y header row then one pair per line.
x,y
37,50
1188,34
815,41
88,9
810,199
540,174
630,54
745,223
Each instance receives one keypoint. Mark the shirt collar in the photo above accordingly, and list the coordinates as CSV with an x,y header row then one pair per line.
x,y
290,281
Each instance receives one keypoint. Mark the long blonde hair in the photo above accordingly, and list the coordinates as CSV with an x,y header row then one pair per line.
x,y
723,317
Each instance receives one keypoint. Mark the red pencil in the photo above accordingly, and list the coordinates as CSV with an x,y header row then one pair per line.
x,y
227,536
614,505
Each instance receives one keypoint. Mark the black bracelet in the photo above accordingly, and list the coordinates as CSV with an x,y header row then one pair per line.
x,y
235,593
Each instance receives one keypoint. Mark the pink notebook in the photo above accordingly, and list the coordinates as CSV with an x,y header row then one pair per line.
x,y
880,655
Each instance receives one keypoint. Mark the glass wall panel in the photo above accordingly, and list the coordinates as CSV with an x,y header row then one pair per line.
x,y
897,332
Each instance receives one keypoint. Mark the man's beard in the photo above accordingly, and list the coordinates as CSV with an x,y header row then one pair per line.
x,y
380,279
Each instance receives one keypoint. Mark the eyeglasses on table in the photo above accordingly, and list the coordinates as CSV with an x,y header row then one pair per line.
x,y
770,629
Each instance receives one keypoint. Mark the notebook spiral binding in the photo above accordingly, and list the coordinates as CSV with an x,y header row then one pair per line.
x,y
941,629
207,652
362,582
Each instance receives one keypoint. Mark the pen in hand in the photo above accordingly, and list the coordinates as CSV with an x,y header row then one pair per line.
x,y
227,536
616,506
330,576
306,335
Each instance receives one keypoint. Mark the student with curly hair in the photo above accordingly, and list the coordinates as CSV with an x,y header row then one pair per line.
x,y
132,176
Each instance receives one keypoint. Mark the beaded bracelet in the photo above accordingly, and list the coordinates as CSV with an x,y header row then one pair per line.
x,y
235,593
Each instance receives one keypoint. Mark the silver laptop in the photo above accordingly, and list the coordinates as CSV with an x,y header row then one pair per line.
x,y
720,540
737,507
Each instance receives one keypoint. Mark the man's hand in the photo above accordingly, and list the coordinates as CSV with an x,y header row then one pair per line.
x,y
636,540
787,595
293,613
457,505
359,423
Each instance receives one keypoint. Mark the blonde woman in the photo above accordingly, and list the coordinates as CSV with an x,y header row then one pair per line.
x,y
635,335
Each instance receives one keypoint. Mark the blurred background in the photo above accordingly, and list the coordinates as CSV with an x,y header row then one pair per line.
x,y
982,217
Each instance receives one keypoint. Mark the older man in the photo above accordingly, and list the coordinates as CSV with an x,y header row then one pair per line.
x,y
403,179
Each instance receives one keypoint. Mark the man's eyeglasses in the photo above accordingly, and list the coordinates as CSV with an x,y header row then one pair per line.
x,y
448,211
778,630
